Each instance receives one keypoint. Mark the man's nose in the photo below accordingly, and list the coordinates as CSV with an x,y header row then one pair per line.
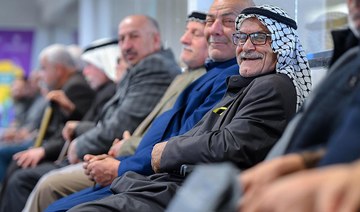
x,y
248,44
217,27
126,43
185,39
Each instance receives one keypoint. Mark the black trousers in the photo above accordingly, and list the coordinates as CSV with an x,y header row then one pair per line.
x,y
135,192
19,183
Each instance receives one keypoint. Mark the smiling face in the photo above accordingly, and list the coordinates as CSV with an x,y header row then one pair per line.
x,y
253,59
220,25
195,49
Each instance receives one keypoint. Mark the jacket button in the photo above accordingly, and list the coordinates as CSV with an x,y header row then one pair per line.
x,y
353,81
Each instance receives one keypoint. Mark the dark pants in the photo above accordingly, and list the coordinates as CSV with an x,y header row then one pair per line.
x,y
6,153
19,183
135,192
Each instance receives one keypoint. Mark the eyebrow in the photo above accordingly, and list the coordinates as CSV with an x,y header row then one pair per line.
x,y
134,31
222,15
254,32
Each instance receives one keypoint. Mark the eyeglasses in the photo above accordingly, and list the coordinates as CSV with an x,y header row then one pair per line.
x,y
256,38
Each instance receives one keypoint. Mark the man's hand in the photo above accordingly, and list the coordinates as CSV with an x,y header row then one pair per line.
x,y
87,158
30,157
17,136
268,171
339,189
117,144
331,189
156,156
102,169
69,129
22,134
9,135
72,153
62,100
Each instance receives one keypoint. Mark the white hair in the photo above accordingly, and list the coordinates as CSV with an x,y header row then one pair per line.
x,y
58,54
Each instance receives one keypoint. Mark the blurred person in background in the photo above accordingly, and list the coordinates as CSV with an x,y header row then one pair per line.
x,y
59,74
22,134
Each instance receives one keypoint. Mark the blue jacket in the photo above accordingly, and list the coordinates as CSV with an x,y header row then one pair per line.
x,y
343,145
192,104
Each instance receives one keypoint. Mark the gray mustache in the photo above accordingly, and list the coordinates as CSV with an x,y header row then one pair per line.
x,y
187,48
218,39
251,55
129,52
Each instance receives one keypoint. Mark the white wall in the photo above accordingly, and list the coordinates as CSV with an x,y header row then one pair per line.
x,y
171,15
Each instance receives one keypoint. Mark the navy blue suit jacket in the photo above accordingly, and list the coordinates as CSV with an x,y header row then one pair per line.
x,y
330,120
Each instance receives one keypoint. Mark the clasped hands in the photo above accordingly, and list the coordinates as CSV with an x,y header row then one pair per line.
x,y
103,169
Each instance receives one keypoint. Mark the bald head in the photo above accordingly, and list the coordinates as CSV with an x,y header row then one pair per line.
x,y
235,4
139,36
220,25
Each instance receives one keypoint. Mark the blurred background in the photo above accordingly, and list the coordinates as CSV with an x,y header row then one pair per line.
x,y
27,26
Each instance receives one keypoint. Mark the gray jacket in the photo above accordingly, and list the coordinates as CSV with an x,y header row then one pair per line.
x,y
136,96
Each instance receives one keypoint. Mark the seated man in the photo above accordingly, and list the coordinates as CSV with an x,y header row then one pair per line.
x,y
317,127
67,180
21,136
99,71
240,129
332,128
59,74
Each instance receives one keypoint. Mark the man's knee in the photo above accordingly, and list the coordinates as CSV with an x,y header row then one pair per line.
x,y
19,177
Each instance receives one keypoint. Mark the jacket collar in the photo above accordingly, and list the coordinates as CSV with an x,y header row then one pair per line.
x,y
210,64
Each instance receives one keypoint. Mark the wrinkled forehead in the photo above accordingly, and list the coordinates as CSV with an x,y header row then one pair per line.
x,y
221,9
195,25
129,31
132,24
254,21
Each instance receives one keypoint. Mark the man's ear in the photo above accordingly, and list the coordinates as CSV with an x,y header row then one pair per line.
x,y
157,39
59,71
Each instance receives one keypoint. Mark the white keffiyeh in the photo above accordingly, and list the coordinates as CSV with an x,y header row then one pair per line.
x,y
285,43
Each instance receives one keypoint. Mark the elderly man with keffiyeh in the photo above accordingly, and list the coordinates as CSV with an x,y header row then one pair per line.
x,y
274,80
325,132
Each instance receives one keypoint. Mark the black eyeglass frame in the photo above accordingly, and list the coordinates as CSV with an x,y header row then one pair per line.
x,y
236,38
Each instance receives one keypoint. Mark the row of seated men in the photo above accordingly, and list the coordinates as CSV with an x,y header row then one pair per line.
x,y
257,77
